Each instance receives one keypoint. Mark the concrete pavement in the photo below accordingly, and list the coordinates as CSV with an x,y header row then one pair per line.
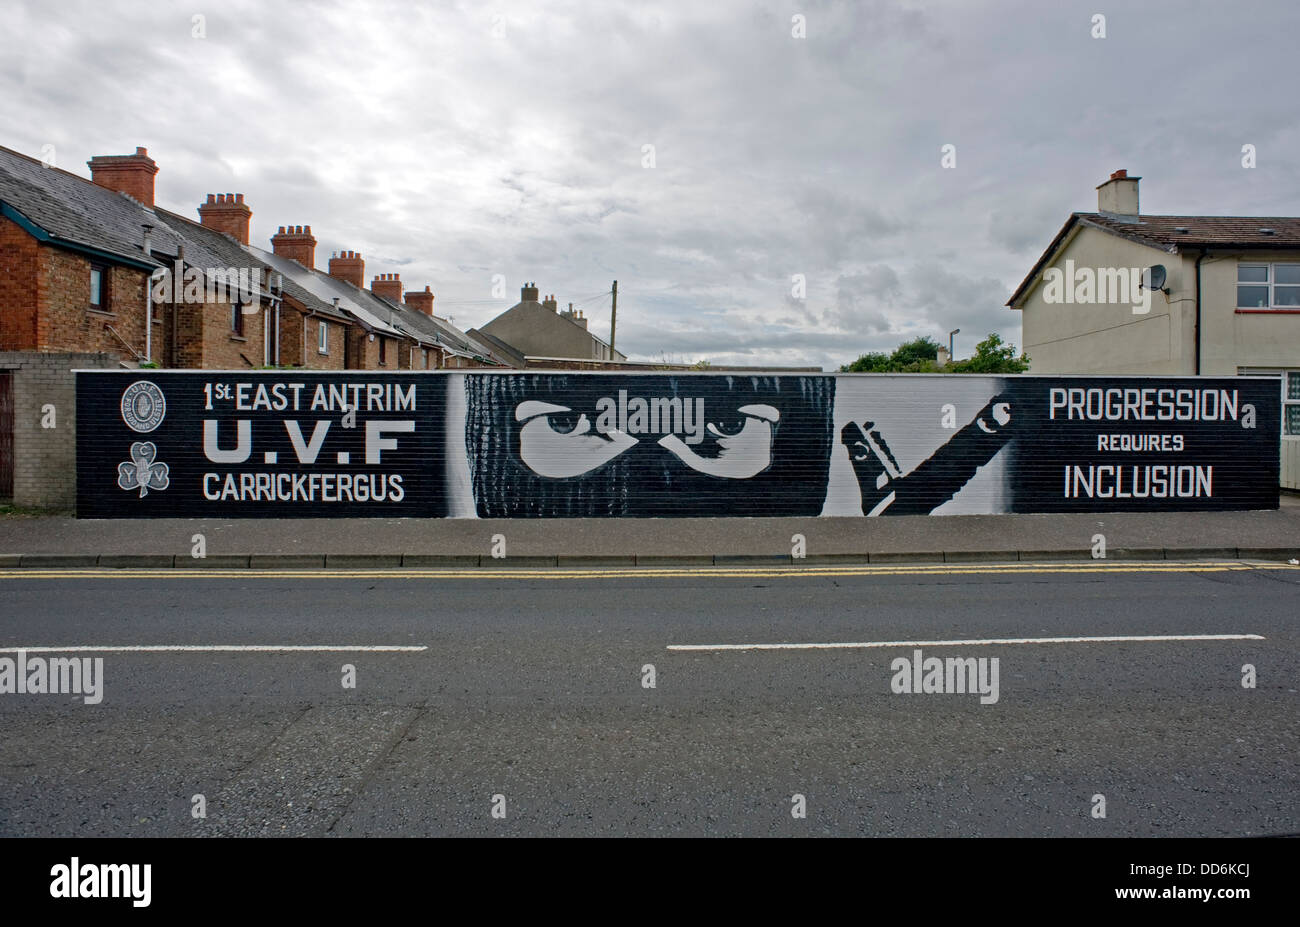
x,y
346,543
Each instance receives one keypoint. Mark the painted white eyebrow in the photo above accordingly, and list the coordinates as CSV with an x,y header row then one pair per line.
x,y
535,407
761,411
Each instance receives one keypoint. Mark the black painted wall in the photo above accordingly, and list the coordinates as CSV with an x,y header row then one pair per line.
x,y
661,445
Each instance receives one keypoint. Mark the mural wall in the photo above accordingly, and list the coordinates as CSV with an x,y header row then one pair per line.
x,y
507,445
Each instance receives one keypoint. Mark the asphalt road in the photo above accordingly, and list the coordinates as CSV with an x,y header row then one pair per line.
x,y
531,688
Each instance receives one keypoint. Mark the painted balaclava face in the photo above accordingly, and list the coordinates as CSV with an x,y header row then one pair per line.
x,y
629,445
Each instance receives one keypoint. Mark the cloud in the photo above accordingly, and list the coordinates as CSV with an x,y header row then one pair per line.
x,y
463,141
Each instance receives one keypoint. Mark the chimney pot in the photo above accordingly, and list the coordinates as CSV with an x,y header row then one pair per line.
x,y
421,300
129,174
349,267
1117,198
225,213
388,286
291,242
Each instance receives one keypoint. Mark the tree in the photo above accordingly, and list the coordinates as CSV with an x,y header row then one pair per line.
x,y
992,355
919,355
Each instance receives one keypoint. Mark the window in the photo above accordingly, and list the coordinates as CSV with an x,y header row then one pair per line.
x,y
1290,380
1291,404
237,318
99,287
1268,286
424,357
323,338
383,349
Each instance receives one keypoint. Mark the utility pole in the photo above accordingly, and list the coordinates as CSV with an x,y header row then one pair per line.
x,y
613,320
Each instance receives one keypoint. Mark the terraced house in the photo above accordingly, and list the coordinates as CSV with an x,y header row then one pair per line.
x,y
94,274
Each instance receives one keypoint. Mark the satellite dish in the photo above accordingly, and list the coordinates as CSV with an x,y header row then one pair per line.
x,y
1155,277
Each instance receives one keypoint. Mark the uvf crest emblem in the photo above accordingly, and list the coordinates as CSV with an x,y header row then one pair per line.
x,y
143,406
140,472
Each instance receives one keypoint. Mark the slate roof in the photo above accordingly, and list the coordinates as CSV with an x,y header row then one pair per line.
x,y
1175,234
326,288
203,245
445,335
77,211
512,355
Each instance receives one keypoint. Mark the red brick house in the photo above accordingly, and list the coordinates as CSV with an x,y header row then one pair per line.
x,y
75,257
83,261
93,273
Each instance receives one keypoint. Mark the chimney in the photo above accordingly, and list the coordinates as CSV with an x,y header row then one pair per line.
x,y
129,174
421,301
529,293
389,286
296,243
348,267
226,213
551,304
1117,198
576,318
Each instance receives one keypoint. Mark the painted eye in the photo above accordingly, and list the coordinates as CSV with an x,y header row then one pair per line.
x,y
567,422
728,426
732,425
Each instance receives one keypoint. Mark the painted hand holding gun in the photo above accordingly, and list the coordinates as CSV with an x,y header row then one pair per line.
x,y
887,491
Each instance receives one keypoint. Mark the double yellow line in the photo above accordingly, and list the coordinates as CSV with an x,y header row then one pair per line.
x,y
554,573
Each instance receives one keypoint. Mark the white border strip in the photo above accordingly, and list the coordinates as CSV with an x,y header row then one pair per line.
x,y
882,645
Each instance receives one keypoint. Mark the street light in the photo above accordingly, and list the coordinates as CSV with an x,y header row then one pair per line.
x,y
955,331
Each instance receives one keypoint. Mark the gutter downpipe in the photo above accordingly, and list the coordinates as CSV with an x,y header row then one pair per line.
x,y
278,302
177,277
1200,257
147,247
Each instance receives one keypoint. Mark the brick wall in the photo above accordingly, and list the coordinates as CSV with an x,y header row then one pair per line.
x,y
428,359
300,341
366,352
292,347
467,363
189,335
222,348
307,351
19,261
45,467
45,300
65,320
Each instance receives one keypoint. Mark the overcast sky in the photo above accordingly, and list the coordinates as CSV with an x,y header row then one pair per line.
x,y
452,142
